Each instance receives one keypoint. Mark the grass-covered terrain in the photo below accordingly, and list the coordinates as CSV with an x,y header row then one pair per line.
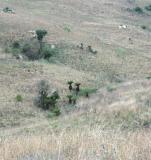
x,y
109,118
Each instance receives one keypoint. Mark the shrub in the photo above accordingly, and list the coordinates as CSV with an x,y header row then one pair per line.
x,y
40,35
56,111
148,8
47,51
43,88
143,27
26,48
19,98
70,85
8,10
30,52
16,44
138,10
70,98
44,100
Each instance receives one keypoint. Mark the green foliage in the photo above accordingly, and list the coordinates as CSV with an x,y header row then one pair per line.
x,y
8,10
30,51
138,10
48,52
26,48
56,111
16,44
70,82
43,88
121,52
19,98
70,98
87,91
41,34
143,27
148,8
67,29
45,100
70,85
148,77
111,88
74,99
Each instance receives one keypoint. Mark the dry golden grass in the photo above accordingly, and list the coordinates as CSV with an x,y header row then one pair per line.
x,y
87,144
114,124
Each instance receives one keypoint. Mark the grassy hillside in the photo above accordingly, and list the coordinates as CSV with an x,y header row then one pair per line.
x,y
113,123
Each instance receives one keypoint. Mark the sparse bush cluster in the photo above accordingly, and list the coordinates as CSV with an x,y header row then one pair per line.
x,y
33,49
148,8
47,100
8,10
76,92
139,10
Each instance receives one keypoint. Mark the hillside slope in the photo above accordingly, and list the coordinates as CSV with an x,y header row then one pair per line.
x,y
111,121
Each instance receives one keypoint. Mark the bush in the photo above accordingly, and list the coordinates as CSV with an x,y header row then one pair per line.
x,y
8,10
48,52
45,100
19,98
56,111
30,52
16,44
43,88
138,10
143,27
26,48
148,8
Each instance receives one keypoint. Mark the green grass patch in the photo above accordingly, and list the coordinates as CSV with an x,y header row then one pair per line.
x,y
67,28
121,52
87,91
19,98
111,88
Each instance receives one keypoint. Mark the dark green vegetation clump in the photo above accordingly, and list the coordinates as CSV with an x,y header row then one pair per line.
x,y
33,49
45,100
138,10
8,10
40,36
148,8
144,27
19,98
77,92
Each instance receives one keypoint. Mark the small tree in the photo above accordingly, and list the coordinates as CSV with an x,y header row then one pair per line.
x,y
45,100
43,88
70,98
77,87
81,46
70,85
40,35
90,48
